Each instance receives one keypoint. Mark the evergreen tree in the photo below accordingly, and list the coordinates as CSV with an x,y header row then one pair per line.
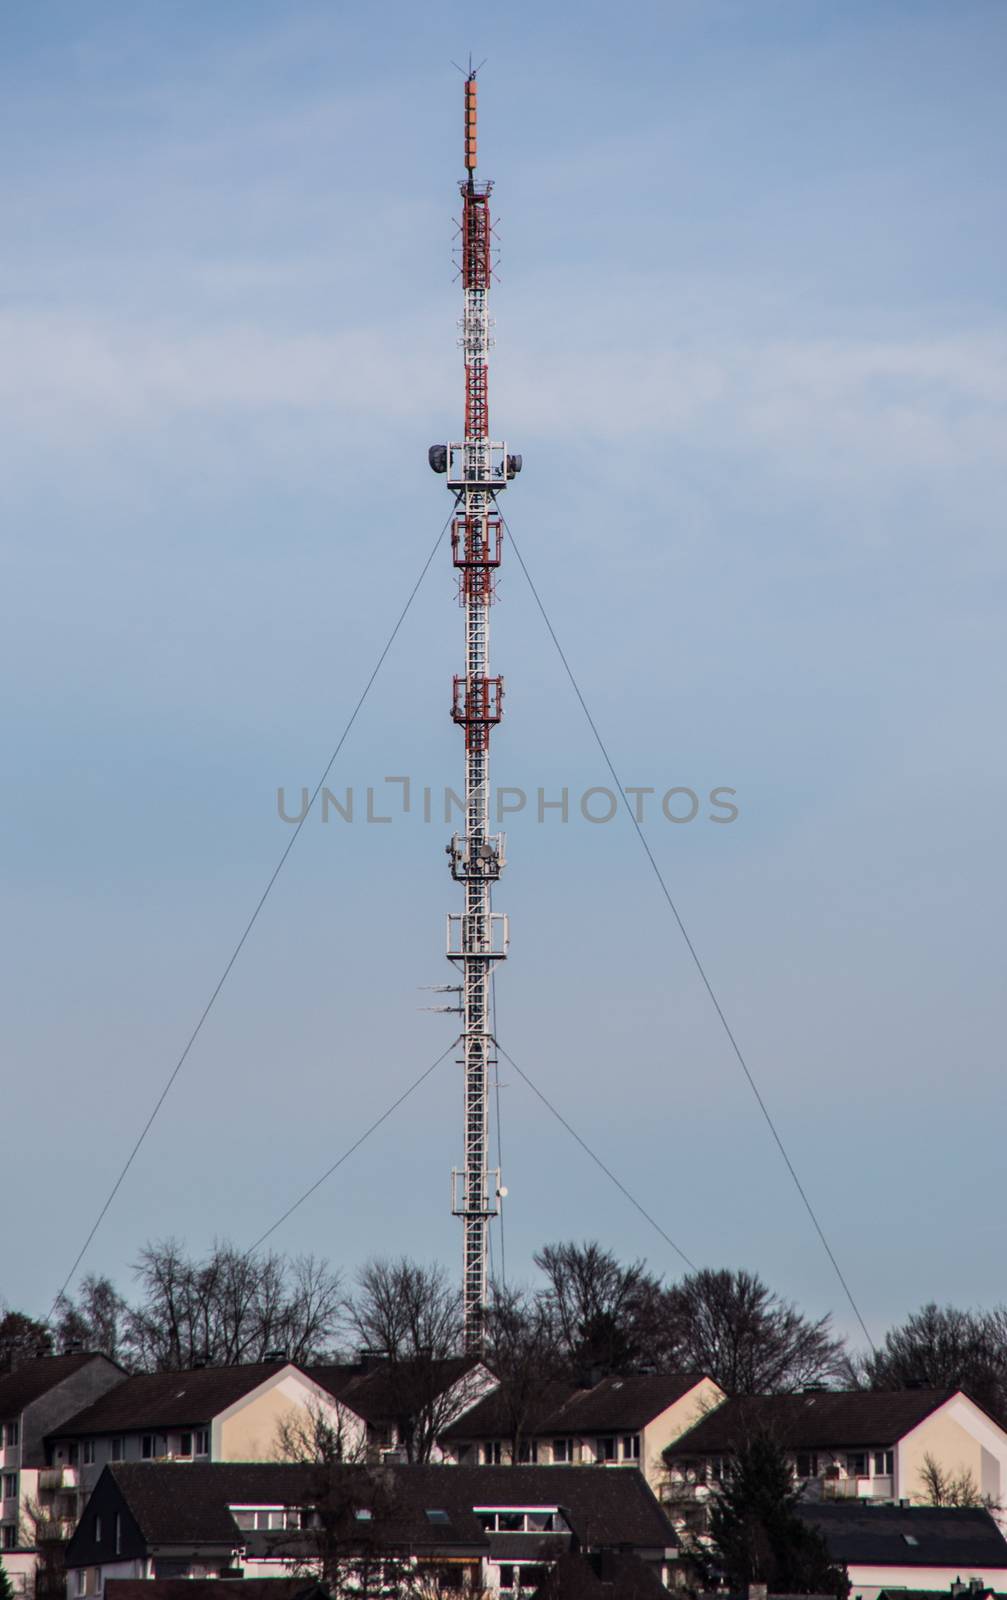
x,y
6,1587
756,1535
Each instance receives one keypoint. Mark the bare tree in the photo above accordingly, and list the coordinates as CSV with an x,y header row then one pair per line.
x,y
228,1309
944,1347
943,1488
412,1316
523,1352
21,1338
95,1320
601,1310
342,1535
733,1327
321,1435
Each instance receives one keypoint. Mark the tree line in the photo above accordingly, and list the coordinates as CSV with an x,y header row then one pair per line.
x,y
589,1316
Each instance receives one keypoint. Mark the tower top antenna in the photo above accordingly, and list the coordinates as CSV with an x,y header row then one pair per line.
x,y
471,120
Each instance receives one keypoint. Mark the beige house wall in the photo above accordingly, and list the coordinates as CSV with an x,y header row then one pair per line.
x,y
960,1438
672,1423
249,1430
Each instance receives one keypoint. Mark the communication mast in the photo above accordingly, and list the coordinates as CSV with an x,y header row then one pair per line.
x,y
477,469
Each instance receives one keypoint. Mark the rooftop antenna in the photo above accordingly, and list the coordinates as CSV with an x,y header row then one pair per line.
x,y
478,469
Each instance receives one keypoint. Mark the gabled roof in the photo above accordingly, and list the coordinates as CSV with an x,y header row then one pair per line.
x,y
909,1536
611,1406
370,1392
174,1505
168,1399
617,1403
818,1420
36,1377
490,1418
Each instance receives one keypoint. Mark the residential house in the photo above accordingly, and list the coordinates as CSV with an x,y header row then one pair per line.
x,y
406,1404
501,1528
617,1422
910,1547
202,1414
844,1445
37,1395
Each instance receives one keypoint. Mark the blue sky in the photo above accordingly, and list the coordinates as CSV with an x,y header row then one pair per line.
x,y
750,341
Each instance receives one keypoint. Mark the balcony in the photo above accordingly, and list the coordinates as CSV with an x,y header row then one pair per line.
x,y
52,1479
880,1488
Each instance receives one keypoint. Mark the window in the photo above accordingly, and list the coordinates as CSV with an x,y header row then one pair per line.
x,y
267,1519
604,1449
562,1450
884,1463
10,1485
491,1453
118,1450
910,1538
118,1534
807,1464
540,1522
89,1452
440,1517
527,1451
147,1447
97,1530
856,1464
82,1580
631,1447
13,1432
73,1454
9,1539
185,1444
202,1441
364,1514
523,1579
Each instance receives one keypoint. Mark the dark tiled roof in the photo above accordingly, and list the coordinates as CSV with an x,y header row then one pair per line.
x,y
372,1393
879,1535
847,1419
490,1417
35,1378
174,1505
168,1399
613,1405
618,1403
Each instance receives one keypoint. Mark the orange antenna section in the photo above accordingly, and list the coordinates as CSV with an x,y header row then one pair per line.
x,y
471,116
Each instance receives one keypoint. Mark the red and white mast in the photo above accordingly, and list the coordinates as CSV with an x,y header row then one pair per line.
x,y
477,469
